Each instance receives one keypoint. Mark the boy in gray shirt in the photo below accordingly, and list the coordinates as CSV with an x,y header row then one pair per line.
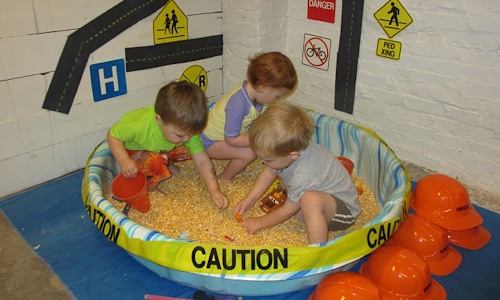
x,y
320,191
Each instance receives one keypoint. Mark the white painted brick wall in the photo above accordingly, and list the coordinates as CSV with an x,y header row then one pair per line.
x,y
40,145
16,18
250,27
38,53
57,15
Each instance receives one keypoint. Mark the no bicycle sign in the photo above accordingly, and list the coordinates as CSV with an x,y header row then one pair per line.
x,y
316,51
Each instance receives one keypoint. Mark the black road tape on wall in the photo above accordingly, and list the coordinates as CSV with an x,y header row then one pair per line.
x,y
84,41
173,53
348,55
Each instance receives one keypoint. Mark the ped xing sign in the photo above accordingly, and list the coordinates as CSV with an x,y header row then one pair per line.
x,y
389,49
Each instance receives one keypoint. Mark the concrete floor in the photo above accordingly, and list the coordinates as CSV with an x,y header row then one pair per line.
x,y
477,196
23,275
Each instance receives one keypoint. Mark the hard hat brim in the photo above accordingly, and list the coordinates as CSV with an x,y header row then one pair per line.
x,y
467,219
471,239
471,218
435,292
447,262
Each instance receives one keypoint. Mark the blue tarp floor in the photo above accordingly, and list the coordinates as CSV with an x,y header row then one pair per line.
x,y
49,249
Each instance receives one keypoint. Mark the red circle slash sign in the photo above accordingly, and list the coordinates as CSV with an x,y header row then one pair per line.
x,y
316,52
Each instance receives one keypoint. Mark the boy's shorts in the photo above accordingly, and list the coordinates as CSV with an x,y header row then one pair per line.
x,y
155,164
342,219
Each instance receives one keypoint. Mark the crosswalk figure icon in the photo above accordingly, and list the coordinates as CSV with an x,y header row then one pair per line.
x,y
393,18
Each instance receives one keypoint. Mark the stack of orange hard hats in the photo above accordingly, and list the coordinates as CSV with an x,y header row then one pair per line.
x,y
430,242
400,273
346,285
445,202
402,268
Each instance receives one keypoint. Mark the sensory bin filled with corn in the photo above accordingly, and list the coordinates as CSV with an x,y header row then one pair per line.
x,y
184,210
162,240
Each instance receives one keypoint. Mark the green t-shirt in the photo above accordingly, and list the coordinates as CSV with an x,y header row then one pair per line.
x,y
139,131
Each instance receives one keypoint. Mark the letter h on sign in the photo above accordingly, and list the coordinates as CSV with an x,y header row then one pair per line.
x,y
108,79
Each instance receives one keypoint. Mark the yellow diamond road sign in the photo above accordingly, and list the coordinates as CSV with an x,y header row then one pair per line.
x,y
170,25
393,17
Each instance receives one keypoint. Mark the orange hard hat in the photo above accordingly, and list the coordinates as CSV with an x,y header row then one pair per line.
x,y
444,201
471,239
346,285
400,273
430,242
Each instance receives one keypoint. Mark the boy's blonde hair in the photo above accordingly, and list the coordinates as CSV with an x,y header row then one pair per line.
x,y
281,129
272,69
184,105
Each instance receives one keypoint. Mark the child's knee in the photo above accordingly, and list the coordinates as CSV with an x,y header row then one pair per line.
x,y
310,199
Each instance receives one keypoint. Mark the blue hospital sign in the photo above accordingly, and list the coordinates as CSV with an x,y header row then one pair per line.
x,y
108,79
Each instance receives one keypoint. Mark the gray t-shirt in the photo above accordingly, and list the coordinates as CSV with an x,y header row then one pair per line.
x,y
318,169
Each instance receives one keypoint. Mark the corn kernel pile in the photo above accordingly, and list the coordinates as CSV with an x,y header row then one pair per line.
x,y
185,210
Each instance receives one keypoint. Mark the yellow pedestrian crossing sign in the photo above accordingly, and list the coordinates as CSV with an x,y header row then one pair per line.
x,y
393,18
389,49
170,25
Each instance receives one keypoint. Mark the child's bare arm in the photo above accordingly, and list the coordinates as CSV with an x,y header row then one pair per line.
x,y
264,180
207,173
280,215
240,141
127,164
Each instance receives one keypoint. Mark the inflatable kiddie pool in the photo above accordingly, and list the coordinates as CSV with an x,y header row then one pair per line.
x,y
259,270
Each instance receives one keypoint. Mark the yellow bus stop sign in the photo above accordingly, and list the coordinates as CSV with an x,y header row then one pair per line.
x,y
170,25
197,75
393,18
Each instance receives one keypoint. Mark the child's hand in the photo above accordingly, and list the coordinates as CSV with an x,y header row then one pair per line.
x,y
129,168
252,225
243,206
220,200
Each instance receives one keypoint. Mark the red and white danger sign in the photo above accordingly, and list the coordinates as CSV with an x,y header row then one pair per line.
x,y
321,10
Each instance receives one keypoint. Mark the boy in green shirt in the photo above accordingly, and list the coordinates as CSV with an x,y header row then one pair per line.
x,y
143,138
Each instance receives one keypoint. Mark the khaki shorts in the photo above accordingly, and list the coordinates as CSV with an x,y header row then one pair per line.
x,y
343,218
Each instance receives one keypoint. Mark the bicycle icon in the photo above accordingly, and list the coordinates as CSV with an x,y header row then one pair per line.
x,y
316,51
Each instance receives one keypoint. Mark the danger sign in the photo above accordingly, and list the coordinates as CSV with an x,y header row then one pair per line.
x,y
321,10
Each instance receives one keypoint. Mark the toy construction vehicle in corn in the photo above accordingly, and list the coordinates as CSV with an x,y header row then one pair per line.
x,y
274,199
